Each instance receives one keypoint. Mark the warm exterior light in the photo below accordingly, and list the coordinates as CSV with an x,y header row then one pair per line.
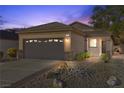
x,y
67,35
66,40
93,42
67,44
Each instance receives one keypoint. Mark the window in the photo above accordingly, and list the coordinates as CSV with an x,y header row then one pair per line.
x,y
45,41
27,41
39,41
30,41
55,40
35,40
50,40
60,40
93,43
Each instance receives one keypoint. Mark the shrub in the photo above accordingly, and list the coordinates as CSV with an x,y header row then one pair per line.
x,y
87,55
82,56
11,52
105,57
1,55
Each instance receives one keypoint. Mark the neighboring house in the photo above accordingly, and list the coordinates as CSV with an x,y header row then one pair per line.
x,y
58,41
8,39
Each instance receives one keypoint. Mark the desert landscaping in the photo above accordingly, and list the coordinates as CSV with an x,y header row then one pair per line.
x,y
86,74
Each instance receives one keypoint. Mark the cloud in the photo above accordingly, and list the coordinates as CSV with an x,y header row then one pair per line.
x,y
84,20
9,25
38,17
12,23
79,15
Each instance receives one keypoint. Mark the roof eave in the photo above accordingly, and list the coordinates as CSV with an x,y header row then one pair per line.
x,y
45,31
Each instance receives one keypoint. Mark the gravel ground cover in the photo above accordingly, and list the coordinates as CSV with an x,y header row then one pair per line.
x,y
77,75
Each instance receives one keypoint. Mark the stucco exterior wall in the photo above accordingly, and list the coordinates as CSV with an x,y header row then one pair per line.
x,y
97,51
5,44
94,51
122,48
73,43
77,44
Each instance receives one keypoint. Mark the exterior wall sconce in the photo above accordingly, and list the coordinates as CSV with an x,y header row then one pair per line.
x,y
67,35
67,38
67,43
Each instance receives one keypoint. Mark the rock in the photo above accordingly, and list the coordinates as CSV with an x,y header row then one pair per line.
x,y
117,50
52,75
57,83
113,81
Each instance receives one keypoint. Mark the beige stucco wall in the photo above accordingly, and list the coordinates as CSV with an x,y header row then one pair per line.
x,y
73,43
97,51
94,51
77,43
5,44
67,44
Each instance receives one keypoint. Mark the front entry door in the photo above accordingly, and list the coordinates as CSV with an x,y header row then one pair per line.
x,y
103,47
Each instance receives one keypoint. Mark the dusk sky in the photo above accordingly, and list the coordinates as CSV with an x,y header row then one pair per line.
x,y
26,16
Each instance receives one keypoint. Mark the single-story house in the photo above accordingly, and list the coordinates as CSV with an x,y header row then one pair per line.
x,y
59,41
8,39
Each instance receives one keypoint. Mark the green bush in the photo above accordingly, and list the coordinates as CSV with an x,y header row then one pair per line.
x,y
11,52
87,55
1,55
82,56
105,57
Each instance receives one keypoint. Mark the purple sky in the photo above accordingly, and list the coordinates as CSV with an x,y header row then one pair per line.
x,y
25,16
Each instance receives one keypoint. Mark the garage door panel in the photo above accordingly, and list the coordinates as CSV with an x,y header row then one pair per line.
x,y
44,50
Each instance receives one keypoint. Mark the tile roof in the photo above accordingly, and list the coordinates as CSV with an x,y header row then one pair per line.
x,y
75,27
54,26
81,26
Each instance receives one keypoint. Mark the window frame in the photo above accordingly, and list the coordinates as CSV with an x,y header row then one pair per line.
x,y
91,44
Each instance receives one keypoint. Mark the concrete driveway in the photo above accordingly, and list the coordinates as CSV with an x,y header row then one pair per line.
x,y
11,72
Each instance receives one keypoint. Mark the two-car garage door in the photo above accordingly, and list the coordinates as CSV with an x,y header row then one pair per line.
x,y
50,48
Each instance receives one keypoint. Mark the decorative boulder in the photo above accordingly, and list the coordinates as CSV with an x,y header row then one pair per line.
x,y
52,75
113,81
117,50
57,83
